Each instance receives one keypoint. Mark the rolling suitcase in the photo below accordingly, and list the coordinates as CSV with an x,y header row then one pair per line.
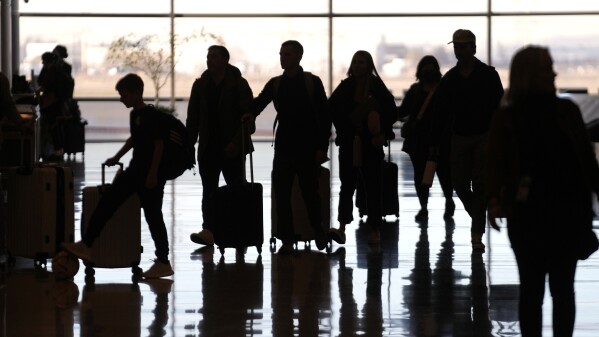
x,y
17,148
390,197
301,224
119,244
243,225
74,134
40,211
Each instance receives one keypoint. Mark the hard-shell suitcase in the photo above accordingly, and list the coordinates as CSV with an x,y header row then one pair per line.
x,y
390,197
40,211
74,134
119,244
301,224
237,214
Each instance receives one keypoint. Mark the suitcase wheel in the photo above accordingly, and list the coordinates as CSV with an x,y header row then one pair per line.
x,y
39,263
259,249
136,271
89,270
221,250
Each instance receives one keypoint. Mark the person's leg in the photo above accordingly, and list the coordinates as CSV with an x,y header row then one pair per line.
x,y
418,165
232,170
347,177
282,181
372,172
308,173
532,273
479,205
562,272
210,168
461,163
151,202
112,199
444,175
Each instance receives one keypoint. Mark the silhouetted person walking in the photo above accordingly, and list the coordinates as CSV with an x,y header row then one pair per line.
x,y
541,176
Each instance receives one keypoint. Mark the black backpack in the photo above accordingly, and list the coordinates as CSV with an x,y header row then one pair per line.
x,y
179,152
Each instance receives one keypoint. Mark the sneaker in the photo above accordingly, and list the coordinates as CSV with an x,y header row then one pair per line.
x,y
337,235
158,270
477,242
374,238
286,248
322,242
449,209
204,237
78,249
422,215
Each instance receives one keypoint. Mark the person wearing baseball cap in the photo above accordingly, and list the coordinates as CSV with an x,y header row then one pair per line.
x,y
464,103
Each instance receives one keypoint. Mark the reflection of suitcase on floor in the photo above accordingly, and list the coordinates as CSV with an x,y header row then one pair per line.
x,y
389,244
74,134
40,211
112,309
237,214
301,224
119,244
390,197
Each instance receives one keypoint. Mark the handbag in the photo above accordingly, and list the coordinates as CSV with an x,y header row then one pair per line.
x,y
409,128
588,244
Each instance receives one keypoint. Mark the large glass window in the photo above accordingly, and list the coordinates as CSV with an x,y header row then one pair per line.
x,y
408,7
545,6
251,7
397,44
573,43
95,7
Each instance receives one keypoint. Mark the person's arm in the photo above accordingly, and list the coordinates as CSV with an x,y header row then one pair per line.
x,y
323,119
122,151
262,100
245,97
152,178
192,123
496,166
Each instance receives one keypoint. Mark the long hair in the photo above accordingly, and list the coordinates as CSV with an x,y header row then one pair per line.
x,y
424,61
524,71
369,60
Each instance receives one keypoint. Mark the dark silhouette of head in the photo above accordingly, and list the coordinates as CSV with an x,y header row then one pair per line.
x,y
428,69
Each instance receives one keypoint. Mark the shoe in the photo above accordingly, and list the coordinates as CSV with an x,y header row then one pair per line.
x,y
286,248
449,209
422,215
322,242
159,285
204,237
79,249
374,238
158,270
477,242
337,235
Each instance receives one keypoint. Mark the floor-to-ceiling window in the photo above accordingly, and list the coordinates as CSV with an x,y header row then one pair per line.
x,y
397,33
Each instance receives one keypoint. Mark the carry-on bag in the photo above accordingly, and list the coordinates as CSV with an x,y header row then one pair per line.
x,y
20,148
390,195
237,212
74,134
301,223
119,244
40,213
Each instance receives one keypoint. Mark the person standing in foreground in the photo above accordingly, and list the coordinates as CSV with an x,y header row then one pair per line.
x,y
217,102
301,140
465,101
363,112
416,106
541,176
142,176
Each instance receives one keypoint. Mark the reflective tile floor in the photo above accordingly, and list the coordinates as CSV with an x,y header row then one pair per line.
x,y
424,281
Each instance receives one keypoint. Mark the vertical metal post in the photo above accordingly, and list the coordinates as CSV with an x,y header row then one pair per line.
x,y
16,39
5,38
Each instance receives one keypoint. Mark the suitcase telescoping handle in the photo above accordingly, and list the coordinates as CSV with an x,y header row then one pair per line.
x,y
104,171
245,136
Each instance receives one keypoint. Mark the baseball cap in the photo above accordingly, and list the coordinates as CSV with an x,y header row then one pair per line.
x,y
462,36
